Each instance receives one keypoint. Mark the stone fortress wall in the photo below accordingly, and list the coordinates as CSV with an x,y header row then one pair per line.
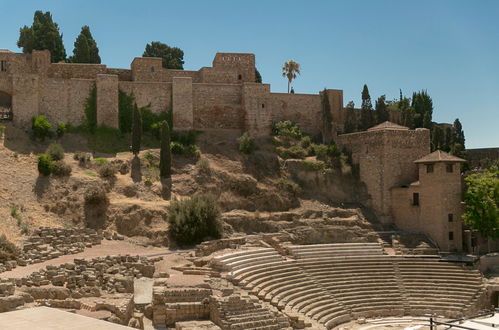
x,y
223,96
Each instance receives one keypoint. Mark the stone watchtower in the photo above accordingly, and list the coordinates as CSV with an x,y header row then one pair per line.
x,y
433,204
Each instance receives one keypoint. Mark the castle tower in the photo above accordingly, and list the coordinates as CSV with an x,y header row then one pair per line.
x,y
433,204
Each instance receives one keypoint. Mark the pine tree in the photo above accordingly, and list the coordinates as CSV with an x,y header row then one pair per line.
x,y
136,130
382,114
43,34
423,109
173,57
86,50
165,158
366,113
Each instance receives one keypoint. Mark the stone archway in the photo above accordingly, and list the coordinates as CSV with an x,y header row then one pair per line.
x,y
5,106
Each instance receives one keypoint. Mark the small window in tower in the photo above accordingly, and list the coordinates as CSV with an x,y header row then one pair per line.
x,y
450,217
429,168
451,236
450,168
3,66
263,105
239,77
152,69
415,199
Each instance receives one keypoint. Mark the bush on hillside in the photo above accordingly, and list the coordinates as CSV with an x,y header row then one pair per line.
x,y
176,148
41,127
61,168
107,170
61,129
246,143
293,152
8,250
95,195
287,128
2,131
194,220
55,151
45,164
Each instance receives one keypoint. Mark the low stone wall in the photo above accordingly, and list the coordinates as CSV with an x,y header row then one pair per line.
x,y
208,247
50,243
170,305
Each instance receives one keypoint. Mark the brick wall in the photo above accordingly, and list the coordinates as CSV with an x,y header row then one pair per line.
x,y
107,100
157,94
303,109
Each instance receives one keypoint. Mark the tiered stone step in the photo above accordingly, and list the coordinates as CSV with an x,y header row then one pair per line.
x,y
335,250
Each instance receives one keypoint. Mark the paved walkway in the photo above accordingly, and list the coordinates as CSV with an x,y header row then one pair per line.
x,y
45,318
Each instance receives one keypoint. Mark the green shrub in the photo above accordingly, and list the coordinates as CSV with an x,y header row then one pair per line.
x,y
287,128
41,127
107,170
8,250
55,151
185,138
176,148
293,152
100,161
290,186
308,165
61,168
2,131
150,119
194,220
125,110
61,129
305,142
203,164
95,195
45,164
319,150
246,143
83,158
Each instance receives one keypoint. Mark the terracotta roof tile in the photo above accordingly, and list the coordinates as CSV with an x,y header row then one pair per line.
x,y
439,156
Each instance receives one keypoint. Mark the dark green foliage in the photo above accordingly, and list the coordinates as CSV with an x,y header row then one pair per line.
x,y
41,127
55,151
258,76
60,130
305,142
422,105
8,250
194,220
173,57
312,166
43,34
86,50
351,121
458,141
382,114
45,164
91,110
61,168
286,128
482,202
406,111
246,143
125,111
136,130
95,195
327,118
150,120
366,112
107,170
165,158
177,148
293,152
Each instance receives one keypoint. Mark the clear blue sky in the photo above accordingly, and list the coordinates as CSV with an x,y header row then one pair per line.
x,y
449,47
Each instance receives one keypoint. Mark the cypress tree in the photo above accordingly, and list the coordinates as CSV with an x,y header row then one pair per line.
x,y
423,109
165,158
327,119
366,113
42,34
351,121
136,130
381,110
86,50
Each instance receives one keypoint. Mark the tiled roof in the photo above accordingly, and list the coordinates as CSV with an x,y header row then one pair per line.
x,y
439,156
387,125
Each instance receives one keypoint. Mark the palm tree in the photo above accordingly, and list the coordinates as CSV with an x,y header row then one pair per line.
x,y
289,70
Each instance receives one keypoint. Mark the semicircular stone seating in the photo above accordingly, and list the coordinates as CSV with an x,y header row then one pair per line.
x,y
336,283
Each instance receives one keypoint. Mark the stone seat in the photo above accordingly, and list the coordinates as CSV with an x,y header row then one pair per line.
x,y
437,274
379,280
234,259
286,288
337,269
295,298
258,324
271,270
328,314
249,318
278,281
258,279
334,321
438,281
370,292
242,253
334,253
241,273
254,261
305,304
331,307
